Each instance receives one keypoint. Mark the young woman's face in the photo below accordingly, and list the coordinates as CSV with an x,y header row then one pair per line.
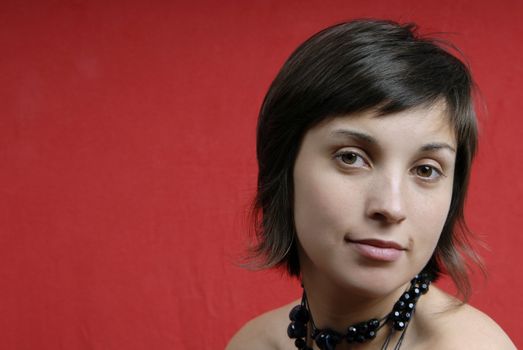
x,y
371,195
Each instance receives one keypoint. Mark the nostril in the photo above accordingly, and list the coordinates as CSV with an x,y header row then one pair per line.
x,y
387,217
378,217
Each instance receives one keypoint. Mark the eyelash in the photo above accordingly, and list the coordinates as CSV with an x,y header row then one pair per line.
x,y
434,170
339,156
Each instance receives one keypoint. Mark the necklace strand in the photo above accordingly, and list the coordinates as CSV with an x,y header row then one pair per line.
x,y
328,339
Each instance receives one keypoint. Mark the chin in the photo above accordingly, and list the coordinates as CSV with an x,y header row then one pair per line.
x,y
374,282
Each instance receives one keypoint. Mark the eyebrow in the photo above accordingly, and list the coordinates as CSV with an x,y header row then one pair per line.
x,y
354,134
433,146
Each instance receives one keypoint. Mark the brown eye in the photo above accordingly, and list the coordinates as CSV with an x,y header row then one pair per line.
x,y
424,171
349,158
428,172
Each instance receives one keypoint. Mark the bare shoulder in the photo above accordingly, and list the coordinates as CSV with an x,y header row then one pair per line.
x,y
461,326
267,331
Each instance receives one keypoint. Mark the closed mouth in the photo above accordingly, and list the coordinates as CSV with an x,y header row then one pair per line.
x,y
378,243
377,249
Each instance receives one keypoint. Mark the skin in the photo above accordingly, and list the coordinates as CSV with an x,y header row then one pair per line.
x,y
362,182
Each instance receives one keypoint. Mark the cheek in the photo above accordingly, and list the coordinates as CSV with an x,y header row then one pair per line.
x,y
431,218
311,201
321,205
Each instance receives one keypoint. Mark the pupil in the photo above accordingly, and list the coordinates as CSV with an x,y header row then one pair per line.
x,y
425,171
349,158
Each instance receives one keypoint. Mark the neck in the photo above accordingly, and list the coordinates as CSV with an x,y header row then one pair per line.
x,y
335,314
335,307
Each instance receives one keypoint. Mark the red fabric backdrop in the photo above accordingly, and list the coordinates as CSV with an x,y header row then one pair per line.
x,y
128,162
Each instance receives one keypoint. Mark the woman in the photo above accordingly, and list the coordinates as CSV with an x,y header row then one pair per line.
x,y
365,142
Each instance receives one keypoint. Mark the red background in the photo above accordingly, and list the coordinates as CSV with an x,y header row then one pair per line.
x,y
127,162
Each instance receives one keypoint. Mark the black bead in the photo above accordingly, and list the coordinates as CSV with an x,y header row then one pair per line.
x,y
410,306
400,305
296,330
300,314
362,327
424,288
328,339
415,293
352,331
406,297
314,333
396,315
360,338
373,324
407,316
371,335
399,325
300,343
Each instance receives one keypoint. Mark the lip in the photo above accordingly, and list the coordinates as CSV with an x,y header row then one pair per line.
x,y
378,250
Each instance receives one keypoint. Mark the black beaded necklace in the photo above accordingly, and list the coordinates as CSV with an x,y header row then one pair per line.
x,y
328,339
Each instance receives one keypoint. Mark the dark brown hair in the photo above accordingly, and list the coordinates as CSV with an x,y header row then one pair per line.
x,y
349,68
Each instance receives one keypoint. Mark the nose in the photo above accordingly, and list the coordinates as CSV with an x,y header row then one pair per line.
x,y
385,202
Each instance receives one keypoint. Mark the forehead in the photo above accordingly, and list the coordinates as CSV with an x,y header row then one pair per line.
x,y
418,124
